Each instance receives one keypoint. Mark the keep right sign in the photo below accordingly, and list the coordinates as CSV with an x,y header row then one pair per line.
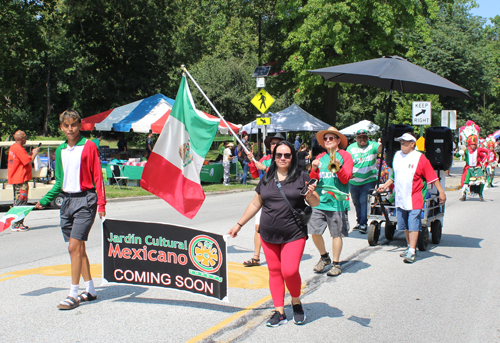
x,y
421,111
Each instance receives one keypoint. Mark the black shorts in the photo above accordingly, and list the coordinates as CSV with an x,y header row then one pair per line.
x,y
78,212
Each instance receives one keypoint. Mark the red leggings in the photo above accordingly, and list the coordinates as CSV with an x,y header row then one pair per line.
x,y
288,271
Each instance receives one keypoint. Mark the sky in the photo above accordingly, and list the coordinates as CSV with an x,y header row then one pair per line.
x,y
487,8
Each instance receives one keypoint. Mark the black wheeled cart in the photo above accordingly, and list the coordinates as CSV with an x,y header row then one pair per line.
x,y
381,211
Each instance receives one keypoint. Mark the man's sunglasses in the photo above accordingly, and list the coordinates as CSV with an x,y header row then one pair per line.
x,y
287,156
329,138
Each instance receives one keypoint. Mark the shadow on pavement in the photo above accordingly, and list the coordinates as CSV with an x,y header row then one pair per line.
x,y
235,249
449,240
316,310
43,291
354,266
134,298
361,321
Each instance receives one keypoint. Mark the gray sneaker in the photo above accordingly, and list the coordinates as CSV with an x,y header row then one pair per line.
x,y
322,264
356,228
410,258
403,254
362,228
334,271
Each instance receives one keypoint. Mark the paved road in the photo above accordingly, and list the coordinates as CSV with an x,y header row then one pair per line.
x,y
449,294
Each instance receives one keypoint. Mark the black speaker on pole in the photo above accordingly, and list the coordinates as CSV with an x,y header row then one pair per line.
x,y
392,145
439,147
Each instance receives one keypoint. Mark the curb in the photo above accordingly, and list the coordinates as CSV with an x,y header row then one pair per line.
x,y
150,197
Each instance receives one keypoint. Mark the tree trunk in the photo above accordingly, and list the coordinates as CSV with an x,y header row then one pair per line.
x,y
47,113
330,103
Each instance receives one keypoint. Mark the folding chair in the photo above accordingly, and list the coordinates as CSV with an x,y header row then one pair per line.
x,y
117,172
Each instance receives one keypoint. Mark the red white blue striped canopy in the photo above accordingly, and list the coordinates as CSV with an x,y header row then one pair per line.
x,y
140,116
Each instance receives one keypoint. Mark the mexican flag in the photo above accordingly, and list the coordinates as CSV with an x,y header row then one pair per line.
x,y
15,214
173,169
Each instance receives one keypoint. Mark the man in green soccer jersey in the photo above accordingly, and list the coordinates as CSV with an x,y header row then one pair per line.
x,y
364,155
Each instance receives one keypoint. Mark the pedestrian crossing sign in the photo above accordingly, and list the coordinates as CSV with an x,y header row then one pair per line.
x,y
262,100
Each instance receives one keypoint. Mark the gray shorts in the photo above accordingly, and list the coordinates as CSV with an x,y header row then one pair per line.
x,y
78,212
337,222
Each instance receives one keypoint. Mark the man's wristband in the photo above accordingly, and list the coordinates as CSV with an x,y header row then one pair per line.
x,y
239,224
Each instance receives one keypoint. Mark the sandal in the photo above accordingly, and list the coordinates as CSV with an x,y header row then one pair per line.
x,y
68,304
252,262
86,296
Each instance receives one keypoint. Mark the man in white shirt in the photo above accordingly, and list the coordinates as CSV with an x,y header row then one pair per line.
x,y
411,173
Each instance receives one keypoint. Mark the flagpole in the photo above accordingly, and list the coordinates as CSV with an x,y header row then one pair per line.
x,y
183,67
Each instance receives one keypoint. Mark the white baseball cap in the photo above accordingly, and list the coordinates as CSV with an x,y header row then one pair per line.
x,y
407,137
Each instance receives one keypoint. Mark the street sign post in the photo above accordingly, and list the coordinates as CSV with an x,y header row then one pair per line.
x,y
262,100
422,113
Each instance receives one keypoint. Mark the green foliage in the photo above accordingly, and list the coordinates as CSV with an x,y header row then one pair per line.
x,y
228,84
324,33
93,55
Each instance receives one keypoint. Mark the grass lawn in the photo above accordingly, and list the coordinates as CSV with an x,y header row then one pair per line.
x,y
112,191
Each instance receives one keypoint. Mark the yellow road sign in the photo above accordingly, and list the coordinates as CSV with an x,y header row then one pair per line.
x,y
262,100
264,121
421,144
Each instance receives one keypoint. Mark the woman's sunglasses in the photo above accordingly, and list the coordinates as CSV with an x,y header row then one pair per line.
x,y
329,138
286,156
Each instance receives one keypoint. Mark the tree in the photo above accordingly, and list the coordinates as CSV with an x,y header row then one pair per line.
x,y
122,51
20,43
324,33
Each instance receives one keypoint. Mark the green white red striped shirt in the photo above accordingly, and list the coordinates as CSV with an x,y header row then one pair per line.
x,y
78,169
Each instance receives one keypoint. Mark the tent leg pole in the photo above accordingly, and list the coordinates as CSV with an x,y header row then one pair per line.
x,y
384,135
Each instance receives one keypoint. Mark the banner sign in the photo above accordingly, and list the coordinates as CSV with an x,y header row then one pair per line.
x,y
165,255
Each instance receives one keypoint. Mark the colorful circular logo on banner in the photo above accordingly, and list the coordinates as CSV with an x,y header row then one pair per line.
x,y
205,253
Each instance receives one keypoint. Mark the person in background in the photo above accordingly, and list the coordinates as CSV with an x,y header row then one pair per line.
x,y
475,158
303,156
79,178
149,144
316,149
492,161
297,143
19,173
122,144
332,210
283,235
263,164
226,160
364,175
411,173
97,139
243,158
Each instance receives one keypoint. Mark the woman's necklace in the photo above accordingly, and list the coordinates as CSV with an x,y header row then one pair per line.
x,y
282,176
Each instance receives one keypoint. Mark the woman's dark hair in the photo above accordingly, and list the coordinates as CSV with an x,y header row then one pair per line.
x,y
293,169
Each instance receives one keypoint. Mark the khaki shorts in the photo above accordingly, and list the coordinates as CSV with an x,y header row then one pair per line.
x,y
337,222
